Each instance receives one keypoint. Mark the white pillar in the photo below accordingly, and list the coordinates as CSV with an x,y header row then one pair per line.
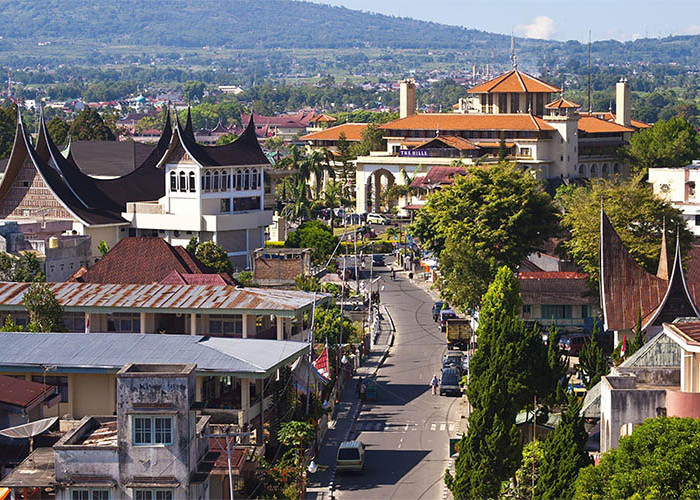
x,y
142,321
280,328
245,398
193,324
287,328
245,326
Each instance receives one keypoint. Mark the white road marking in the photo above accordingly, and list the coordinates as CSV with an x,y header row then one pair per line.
x,y
442,427
432,427
452,426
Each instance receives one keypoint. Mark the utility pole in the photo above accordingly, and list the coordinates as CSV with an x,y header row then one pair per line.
x,y
228,452
311,346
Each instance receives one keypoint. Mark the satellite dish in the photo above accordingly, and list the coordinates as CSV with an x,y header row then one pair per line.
x,y
29,430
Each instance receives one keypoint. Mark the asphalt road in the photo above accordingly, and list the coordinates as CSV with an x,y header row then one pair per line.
x,y
406,431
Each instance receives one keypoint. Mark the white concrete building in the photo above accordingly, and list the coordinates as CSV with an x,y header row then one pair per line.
x,y
677,185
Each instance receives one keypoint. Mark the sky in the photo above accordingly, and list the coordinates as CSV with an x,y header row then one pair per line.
x,y
550,19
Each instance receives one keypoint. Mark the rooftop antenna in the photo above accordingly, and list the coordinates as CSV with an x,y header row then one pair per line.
x,y
590,105
513,57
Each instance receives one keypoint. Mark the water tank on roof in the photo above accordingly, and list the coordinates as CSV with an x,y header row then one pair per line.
x,y
53,242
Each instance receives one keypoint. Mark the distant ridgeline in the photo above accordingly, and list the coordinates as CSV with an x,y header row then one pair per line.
x,y
255,24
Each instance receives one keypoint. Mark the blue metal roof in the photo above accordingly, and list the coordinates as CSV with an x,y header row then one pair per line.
x,y
108,352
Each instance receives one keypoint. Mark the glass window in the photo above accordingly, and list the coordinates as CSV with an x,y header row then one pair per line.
x,y
246,179
80,495
153,494
225,205
142,430
215,181
173,181
254,179
60,382
143,494
192,183
556,311
239,179
89,494
183,182
207,181
164,431
223,180
164,495
124,322
585,313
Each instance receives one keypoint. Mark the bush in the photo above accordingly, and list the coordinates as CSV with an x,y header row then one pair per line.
x,y
315,235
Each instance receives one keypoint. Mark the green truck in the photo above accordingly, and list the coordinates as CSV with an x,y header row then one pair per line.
x,y
459,333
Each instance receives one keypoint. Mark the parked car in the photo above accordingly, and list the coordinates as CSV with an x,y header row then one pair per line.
x,y
376,219
449,381
446,314
351,456
572,343
453,358
377,259
437,307
355,218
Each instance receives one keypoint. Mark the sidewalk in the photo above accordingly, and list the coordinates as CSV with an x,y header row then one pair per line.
x,y
320,485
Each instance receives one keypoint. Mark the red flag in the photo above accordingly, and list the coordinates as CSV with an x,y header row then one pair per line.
x,y
321,364
623,349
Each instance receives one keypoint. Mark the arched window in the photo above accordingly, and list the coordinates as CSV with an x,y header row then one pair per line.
x,y
224,185
239,179
215,181
246,179
594,170
207,181
604,171
616,169
183,182
173,181
582,171
254,179
193,188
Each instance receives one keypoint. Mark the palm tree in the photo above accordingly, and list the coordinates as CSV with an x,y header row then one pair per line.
x,y
318,165
300,206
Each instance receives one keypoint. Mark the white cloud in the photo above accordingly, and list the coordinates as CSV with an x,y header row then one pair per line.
x,y
541,27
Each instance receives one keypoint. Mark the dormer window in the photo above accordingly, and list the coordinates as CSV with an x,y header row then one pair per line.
x,y
192,183
183,182
173,181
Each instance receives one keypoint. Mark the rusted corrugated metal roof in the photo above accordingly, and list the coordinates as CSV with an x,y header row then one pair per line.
x,y
555,288
160,297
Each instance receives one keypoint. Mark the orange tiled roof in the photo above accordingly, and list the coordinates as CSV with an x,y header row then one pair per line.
x,y
458,122
514,81
593,125
610,117
323,117
451,141
353,132
562,103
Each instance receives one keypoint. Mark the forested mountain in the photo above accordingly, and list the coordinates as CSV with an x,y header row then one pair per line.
x,y
267,24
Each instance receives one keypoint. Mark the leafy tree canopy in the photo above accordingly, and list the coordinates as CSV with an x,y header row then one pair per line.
x,y
490,217
89,126
45,312
315,235
659,460
635,213
24,267
214,256
226,139
8,128
58,130
671,143
193,90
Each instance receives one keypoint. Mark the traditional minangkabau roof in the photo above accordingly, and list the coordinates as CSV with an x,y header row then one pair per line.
x,y
352,131
90,200
446,122
626,288
245,150
450,141
514,81
562,103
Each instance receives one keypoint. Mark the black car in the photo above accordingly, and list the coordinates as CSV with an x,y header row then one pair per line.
x,y
437,307
449,381
377,259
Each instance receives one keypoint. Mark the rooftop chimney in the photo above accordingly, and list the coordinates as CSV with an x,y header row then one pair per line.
x,y
623,107
407,98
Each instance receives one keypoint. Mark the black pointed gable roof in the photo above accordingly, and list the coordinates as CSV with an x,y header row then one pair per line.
x,y
245,150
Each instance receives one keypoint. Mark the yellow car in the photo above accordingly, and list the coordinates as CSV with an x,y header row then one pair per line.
x,y
351,456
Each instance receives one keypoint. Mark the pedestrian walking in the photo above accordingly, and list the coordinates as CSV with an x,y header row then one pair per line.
x,y
363,391
434,384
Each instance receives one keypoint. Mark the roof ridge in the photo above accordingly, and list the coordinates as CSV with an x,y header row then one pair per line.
x,y
520,79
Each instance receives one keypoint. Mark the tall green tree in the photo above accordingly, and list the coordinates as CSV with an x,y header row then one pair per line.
x,y
226,139
491,216
213,255
45,311
193,90
593,363
635,213
564,455
671,143
508,368
24,267
558,367
89,126
58,130
658,460
8,128
315,235
372,140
